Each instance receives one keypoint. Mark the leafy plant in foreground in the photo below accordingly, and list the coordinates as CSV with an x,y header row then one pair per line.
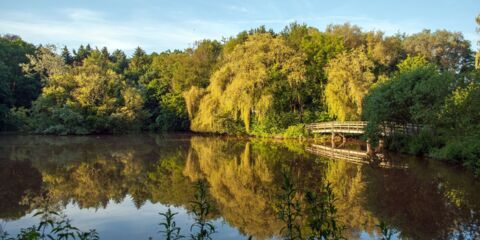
x,y
171,232
201,208
318,210
288,209
386,230
321,212
51,229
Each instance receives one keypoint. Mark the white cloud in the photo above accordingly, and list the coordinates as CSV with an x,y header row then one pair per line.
x,y
238,9
75,26
81,26
81,14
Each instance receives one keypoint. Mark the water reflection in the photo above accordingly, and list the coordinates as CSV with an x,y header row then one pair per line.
x,y
426,201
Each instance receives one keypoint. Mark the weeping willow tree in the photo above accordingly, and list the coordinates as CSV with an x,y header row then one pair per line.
x,y
243,88
192,99
350,76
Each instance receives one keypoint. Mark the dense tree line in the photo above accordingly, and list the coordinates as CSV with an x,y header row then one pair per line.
x,y
258,83
441,101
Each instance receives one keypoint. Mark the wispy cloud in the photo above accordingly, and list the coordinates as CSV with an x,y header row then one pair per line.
x,y
238,9
75,26
81,26
81,14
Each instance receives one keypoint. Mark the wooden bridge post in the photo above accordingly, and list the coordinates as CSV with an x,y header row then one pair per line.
x,y
333,139
369,147
380,145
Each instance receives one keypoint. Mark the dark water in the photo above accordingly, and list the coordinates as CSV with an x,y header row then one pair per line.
x,y
118,184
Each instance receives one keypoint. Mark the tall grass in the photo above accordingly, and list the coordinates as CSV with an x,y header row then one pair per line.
x,y
202,228
316,209
51,228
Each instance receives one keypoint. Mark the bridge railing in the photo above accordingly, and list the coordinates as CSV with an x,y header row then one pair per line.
x,y
391,128
337,153
358,127
346,127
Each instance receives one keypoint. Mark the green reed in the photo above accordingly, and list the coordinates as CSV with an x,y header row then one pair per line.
x,y
171,232
201,208
51,228
288,209
317,210
386,230
202,228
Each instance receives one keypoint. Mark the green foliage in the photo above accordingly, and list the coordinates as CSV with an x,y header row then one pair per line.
x,y
457,126
296,131
89,98
288,209
245,86
448,50
138,65
416,96
322,214
172,113
318,208
411,63
82,53
16,89
387,231
67,57
350,76
51,228
257,83
171,232
319,48
444,105
201,207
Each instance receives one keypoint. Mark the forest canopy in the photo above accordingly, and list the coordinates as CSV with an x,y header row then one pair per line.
x,y
259,82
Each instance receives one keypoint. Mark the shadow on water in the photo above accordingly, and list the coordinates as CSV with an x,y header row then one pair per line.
x,y
17,178
427,200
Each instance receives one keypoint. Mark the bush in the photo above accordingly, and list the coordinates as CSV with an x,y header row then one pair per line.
x,y
464,150
421,143
296,131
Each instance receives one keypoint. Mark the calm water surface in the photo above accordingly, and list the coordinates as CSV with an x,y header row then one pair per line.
x,y
118,184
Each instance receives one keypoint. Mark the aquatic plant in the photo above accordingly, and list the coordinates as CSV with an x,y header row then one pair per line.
x,y
318,209
201,208
52,229
387,231
322,214
171,232
288,209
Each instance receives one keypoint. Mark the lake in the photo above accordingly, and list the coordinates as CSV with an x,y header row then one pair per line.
x,y
119,184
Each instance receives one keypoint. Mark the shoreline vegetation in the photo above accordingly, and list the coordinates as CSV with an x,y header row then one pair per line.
x,y
259,83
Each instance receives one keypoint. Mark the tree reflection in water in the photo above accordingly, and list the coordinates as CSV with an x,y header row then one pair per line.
x,y
426,201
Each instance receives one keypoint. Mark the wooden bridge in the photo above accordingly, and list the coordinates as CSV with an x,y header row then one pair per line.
x,y
353,156
358,127
337,153
352,127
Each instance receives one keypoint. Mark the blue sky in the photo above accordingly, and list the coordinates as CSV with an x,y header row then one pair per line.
x,y
176,24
